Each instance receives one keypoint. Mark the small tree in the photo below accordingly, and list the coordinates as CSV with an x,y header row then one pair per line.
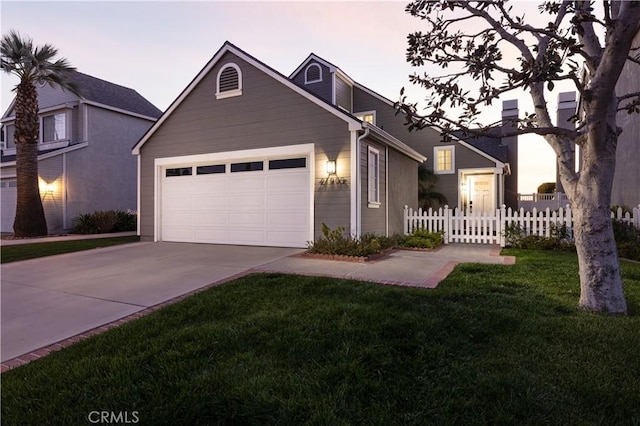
x,y
469,39
32,65
427,195
547,188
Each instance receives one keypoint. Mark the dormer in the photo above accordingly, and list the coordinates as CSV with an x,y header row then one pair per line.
x,y
326,81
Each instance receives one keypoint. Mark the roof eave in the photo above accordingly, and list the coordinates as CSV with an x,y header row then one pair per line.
x,y
394,142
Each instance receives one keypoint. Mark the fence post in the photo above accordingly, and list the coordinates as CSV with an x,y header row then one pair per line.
x,y
406,220
501,224
447,224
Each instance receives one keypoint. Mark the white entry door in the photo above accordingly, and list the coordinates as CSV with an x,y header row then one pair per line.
x,y
481,193
263,202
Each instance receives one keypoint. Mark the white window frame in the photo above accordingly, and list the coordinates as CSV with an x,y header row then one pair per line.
x,y
436,150
58,143
307,81
360,115
229,93
373,177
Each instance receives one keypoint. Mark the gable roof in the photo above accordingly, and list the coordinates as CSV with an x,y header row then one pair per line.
x,y
113,95
354,123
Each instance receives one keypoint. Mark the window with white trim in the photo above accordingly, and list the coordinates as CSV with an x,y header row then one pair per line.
x,y
54,127
312,74
373,180
229,81
444,159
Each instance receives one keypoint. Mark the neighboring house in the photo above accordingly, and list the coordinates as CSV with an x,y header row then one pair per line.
x,y
84,159
626,180
246,155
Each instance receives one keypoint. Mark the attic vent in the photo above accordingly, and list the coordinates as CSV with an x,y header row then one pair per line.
x,y
312,74
229,81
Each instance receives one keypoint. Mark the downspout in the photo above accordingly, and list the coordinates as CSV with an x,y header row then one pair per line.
x,y
359,180
386,189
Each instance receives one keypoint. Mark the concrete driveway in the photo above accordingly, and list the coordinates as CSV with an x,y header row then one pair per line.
x,y
50,299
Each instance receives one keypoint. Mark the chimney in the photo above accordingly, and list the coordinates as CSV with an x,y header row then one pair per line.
x,y
510,112
566,109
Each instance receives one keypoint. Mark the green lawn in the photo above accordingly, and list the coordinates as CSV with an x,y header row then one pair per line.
x,y
492,344
31,251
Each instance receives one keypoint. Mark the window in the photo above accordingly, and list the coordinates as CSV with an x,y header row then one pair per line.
x,y
289,163
444,159
178,171
373,167
367,117
229,81
208,170
54,127
8,133
312,74
250,166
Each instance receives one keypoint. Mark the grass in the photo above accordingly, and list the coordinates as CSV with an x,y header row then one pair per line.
x,y
34,250
492,344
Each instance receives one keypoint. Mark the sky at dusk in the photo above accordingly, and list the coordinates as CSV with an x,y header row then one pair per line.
x,y
158,47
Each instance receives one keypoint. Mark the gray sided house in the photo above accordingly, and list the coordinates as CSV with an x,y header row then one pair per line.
x,y
246,155
84,159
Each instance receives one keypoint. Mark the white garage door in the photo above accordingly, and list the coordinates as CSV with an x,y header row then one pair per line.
x,y
263,202
8,198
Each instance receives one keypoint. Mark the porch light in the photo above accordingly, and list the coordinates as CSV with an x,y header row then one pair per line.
x,y
331,167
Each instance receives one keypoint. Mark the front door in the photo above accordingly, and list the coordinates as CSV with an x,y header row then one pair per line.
x,y
481,193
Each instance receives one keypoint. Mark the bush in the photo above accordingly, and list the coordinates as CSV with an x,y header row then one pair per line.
x,y
559,239
101,222
421,238
627,239
337,242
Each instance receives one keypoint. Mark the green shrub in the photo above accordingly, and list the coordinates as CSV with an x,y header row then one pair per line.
x,y
627,239
560,238
337,242
421,238
126,222
101,222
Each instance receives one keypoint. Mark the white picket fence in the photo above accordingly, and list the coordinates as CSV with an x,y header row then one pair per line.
x,y
462,227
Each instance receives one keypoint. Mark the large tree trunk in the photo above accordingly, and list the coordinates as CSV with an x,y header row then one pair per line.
x,y
601,288
30,220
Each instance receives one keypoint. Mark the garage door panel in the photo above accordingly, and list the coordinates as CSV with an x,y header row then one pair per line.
x,y
284,202
214,236
288,182
247,203
247,183
294,220
246,236
214,219
211,203
179,234
210,185
247,219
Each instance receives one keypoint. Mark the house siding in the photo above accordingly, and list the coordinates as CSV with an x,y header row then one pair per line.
x,y
110,181
267,114
403,188
626,179
373,219
344,94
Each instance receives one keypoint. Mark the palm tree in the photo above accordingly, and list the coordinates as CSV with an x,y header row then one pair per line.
x,y
32,65
427,197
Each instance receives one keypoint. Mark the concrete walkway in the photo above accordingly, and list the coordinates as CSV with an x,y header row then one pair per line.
x,y
52,302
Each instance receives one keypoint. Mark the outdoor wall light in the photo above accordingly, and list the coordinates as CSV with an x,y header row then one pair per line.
x,y
331,167
331,171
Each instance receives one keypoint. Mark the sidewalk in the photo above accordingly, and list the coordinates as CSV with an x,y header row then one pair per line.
x,y
68,237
